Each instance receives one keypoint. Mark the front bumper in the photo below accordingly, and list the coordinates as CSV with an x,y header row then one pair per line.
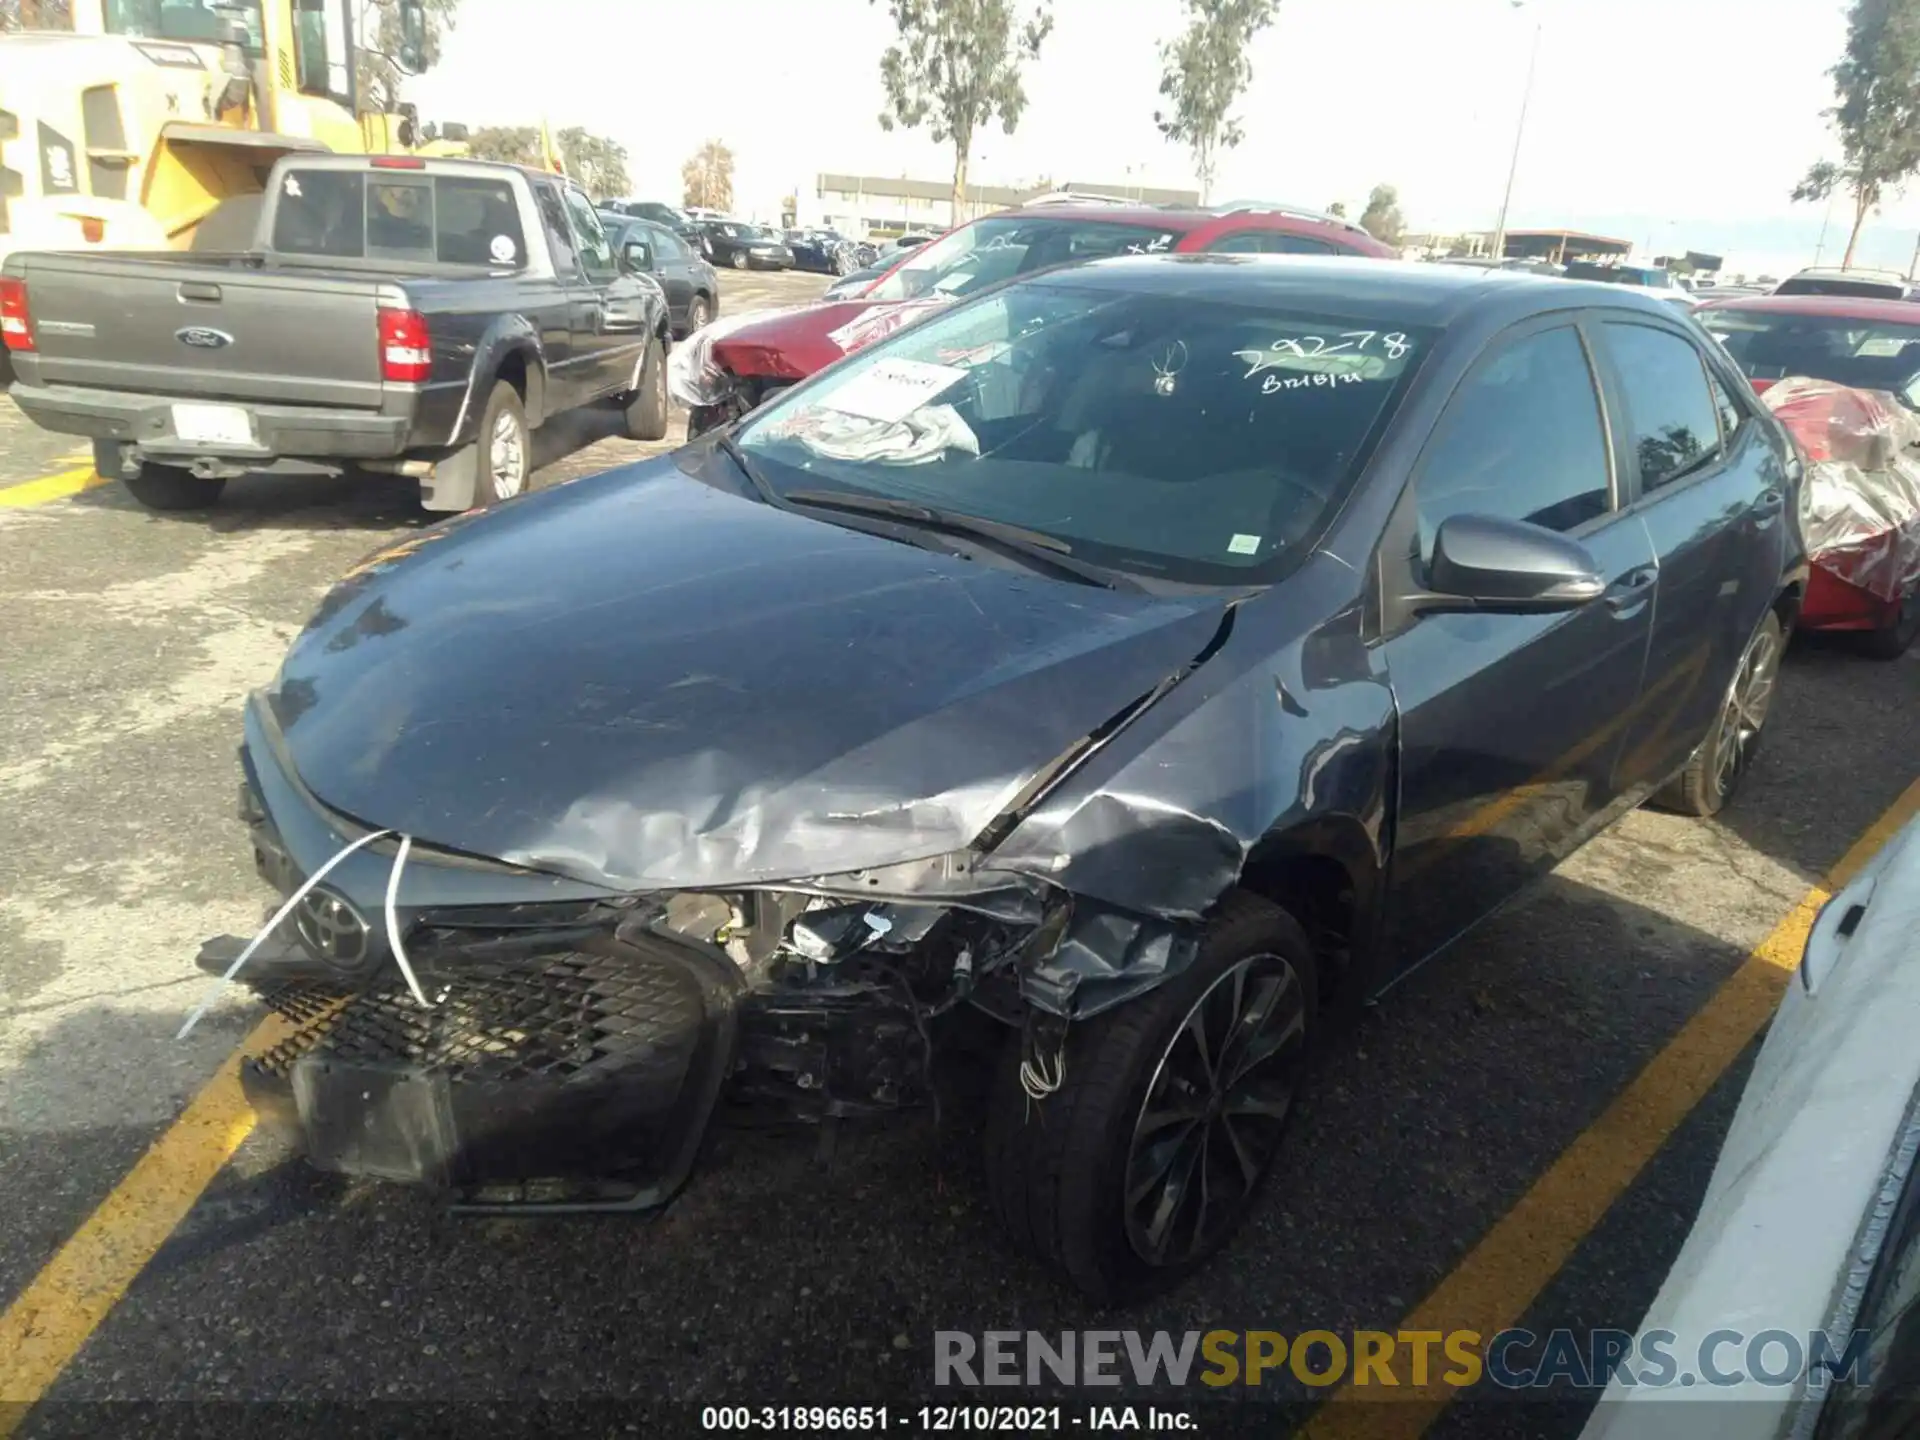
x,y
585,1073
146,423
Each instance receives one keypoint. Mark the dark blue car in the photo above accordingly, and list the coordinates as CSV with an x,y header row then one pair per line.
x,y
1144,664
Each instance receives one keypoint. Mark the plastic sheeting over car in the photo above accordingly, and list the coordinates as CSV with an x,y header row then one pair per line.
x,y
696,376
1861,508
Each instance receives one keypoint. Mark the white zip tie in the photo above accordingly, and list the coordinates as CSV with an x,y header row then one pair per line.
x,y
286,909
393,923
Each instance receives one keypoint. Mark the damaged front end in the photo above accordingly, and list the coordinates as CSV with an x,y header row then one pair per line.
x,y
573,1053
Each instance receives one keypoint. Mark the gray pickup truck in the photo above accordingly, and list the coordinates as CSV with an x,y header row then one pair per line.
x,y
416,317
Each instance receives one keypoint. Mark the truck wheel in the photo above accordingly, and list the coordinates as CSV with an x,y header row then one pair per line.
x,y
506,448
1168,1116
647,408
1892,641
1725,756
168,487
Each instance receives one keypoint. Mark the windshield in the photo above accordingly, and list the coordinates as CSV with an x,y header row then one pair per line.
x,y
988,251
1163,435
196,20
1865,354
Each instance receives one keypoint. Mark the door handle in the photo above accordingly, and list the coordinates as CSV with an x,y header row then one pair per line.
x,y
1631,590
1767,508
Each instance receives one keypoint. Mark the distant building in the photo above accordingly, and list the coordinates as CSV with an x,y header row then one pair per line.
x,y
874,205
1560,246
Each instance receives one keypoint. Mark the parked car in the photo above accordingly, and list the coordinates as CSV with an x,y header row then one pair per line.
x,y
1869,583
1107,661
1857,284
826,252
1649,278
857,282
757,359
691,285
746,247
685,226
415,316
1811,1222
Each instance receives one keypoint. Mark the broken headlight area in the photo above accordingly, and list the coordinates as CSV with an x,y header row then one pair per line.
x,y
577,1053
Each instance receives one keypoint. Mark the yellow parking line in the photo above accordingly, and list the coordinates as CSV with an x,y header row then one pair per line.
x,y
1492,1286
45,1327
52,487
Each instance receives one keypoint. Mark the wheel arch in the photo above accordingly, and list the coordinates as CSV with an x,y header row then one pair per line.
x,y
1328,873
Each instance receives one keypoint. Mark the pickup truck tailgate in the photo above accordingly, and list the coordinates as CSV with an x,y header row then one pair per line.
x,y
206,327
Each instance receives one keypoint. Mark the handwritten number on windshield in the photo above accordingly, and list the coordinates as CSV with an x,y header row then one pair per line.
x,y
1393,345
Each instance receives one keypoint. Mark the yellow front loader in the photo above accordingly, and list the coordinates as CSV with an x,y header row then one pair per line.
x,y
130,129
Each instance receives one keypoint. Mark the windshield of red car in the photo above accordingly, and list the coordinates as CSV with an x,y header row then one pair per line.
x,y
1199,441
997,248
1773,344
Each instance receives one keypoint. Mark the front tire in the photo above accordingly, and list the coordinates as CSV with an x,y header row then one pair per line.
x,y
1170,1112
647,411
739,261
1890,642
698,314
1724,757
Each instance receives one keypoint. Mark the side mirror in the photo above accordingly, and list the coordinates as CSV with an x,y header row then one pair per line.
x,y
637,256
1508,567
413,36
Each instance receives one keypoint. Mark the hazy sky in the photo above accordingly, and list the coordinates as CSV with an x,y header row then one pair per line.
x,y
1683,123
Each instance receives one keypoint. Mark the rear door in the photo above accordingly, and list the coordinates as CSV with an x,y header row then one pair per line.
x,y
1510,725
1702,474
672,267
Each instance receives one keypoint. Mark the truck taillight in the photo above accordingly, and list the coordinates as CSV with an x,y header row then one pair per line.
x,y
406,350
16,321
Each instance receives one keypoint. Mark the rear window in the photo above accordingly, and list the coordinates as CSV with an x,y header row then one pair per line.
x,y
400,216
1865,354
1852,289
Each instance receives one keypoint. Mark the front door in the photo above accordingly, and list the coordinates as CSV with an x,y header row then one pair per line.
x,y
1509,725
609,311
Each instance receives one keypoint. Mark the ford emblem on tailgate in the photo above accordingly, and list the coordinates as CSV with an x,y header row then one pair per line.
x,y
202,338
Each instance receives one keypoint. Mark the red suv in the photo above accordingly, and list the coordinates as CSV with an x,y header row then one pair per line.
x,y
746,363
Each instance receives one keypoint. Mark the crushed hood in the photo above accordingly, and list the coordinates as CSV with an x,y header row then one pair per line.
x,y
641,681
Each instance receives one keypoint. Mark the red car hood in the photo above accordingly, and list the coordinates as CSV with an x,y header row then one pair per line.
x,y
792,344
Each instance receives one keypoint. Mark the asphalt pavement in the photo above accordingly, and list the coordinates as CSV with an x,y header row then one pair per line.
x,y
782,1273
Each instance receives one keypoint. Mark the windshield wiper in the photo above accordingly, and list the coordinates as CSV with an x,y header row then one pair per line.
x,y
730,447
1036,545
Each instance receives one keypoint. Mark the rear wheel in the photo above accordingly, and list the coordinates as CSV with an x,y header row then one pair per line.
x,y
1725,756
647,411
1168,1116
1892,641
506,448
699,312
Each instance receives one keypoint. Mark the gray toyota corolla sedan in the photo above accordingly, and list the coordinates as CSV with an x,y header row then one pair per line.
x,y
1144,663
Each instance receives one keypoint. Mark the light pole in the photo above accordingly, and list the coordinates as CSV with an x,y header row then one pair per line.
x,y
1519,134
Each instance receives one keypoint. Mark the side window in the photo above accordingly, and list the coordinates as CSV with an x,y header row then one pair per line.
x,y
1877,1404
666,245
1675,427
1521,440
596,255
553,219
1268,242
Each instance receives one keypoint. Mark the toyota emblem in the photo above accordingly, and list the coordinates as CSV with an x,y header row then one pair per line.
x,y
331,928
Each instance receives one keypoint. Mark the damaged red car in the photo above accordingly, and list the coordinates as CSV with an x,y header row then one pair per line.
x,y
731,367
1141,665
1843,375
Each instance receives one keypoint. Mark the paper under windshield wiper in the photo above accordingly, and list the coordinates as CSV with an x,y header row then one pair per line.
x,y
1036,545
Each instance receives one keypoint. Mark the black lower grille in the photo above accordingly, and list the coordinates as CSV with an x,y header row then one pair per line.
x,y
571,1016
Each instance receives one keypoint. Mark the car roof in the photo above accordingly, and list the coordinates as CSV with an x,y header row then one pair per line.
x,y
1834,307
1846,272
1405,293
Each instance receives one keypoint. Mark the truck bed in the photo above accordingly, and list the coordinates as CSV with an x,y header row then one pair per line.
x,y
209,327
